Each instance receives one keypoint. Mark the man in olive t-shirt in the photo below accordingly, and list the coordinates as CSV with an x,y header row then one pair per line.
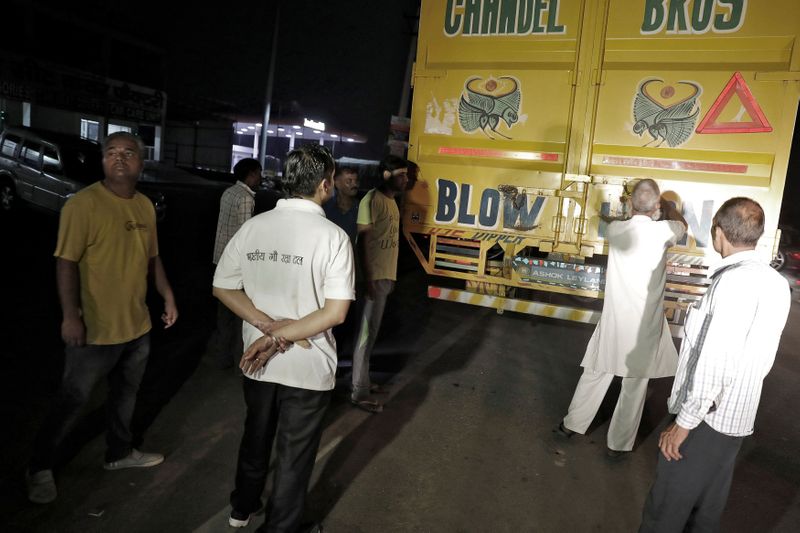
x,y
107,245
378,239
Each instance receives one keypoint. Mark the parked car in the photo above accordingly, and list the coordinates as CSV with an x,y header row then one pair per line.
x,y
45,168
788,256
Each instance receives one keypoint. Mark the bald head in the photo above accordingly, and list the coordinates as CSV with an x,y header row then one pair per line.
x,y
741,221
646,197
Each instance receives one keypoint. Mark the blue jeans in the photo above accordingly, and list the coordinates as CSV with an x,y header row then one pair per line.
x,y
124,365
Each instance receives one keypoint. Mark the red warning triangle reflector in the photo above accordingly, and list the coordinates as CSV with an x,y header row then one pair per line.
x,y
737,86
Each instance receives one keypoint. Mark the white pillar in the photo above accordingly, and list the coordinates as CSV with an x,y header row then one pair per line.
x,y
26,114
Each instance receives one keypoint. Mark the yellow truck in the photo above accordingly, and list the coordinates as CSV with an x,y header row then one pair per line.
x,y
531,118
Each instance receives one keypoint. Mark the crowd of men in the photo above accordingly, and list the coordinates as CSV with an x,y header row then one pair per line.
x,y
285,280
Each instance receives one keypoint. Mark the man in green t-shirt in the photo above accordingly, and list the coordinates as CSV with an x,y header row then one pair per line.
x,y
377,243
107,245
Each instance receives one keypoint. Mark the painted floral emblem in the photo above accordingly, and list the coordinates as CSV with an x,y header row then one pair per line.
x,y
668,113
485,102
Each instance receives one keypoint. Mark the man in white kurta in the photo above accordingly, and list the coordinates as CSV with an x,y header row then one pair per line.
x,y
632,339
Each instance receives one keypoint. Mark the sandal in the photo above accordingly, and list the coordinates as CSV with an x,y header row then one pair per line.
x,y
372,406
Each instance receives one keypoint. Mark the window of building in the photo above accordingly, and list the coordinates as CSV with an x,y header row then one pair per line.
x,y
114,128
90,129
148,136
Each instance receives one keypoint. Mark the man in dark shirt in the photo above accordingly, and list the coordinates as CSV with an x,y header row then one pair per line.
x,y
342,209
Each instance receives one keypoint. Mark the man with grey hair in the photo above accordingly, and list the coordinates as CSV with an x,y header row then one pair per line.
x,y
730,339
632,339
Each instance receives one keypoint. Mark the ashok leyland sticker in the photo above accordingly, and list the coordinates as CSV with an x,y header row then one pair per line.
x,y
667,113
485,102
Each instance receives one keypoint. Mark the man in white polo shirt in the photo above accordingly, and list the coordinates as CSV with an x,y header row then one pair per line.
x,y
288,273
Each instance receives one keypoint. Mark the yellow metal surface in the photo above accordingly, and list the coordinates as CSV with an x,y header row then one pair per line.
x,y
531,118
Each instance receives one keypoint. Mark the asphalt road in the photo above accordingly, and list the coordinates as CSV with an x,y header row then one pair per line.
x,y
465,442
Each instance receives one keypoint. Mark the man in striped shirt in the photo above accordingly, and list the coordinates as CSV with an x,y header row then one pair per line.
x,y
236,206
730,340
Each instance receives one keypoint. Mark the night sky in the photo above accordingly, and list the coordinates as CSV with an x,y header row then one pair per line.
x,y
339,62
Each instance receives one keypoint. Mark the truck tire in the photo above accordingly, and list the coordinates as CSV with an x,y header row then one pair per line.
x,y
8,195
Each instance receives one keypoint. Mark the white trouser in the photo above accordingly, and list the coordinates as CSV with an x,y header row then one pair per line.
x,y
589,394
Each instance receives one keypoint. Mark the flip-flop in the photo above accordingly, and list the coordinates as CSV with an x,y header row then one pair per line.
x,y
371,406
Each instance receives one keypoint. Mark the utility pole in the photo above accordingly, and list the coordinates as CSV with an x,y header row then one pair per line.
x,y
270,81
405,95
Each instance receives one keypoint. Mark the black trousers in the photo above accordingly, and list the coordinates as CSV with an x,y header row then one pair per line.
x,y
292,418
84,367
690,494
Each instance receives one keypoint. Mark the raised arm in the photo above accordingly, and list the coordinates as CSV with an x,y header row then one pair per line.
x,y
670,212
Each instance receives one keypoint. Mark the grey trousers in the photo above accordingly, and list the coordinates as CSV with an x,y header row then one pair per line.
x,y
367,332
690,494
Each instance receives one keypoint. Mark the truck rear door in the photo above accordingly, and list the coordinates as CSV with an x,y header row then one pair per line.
x,y
498,105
